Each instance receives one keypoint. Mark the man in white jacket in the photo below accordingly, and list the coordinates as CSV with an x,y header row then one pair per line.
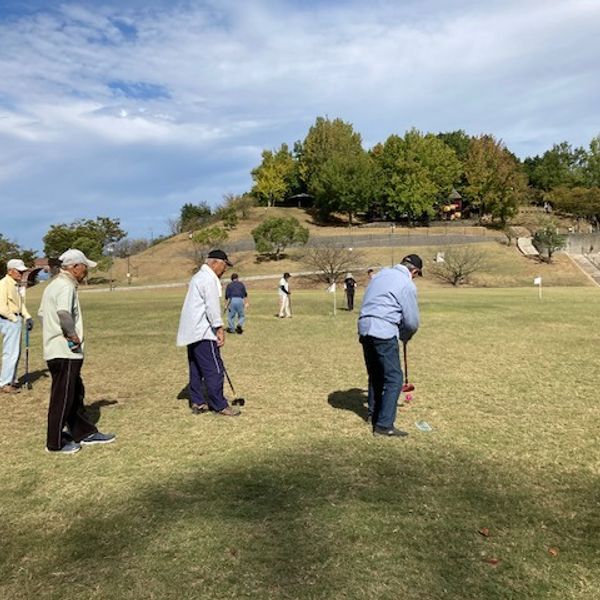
x,y
201,330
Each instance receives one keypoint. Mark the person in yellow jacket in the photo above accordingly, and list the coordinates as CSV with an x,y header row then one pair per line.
x,y
12,313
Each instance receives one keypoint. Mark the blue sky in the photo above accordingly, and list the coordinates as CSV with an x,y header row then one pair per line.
x,y
131,108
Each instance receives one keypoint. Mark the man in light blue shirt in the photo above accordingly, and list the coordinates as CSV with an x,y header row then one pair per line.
x,y
389,312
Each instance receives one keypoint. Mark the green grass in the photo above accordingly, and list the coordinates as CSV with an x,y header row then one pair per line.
x,y
296,499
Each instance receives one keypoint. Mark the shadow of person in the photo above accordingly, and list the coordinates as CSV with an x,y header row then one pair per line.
x,y
34,376
92,411
184,394
353,399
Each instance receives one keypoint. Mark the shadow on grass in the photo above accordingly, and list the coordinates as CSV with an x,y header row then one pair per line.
x,y
353,399
318,522
35,376
93,410
297,526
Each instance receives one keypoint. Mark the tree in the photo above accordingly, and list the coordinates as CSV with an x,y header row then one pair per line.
x,y
128,247
275,234
581,202
458,140
88,235
591,169
460,262
327,140
496,184
418,171
562,165
275,176
204,240
346,183
331,260
547,239
229,217
193,216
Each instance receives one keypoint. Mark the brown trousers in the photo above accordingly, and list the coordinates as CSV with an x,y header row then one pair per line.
x,y
66,403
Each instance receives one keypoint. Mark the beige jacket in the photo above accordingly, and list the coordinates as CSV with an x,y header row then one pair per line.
x,y
12,304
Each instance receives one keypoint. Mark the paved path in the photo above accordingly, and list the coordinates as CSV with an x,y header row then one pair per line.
x,y
587,266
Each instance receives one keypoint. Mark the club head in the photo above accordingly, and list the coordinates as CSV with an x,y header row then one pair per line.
x,y
408,387
29,386
238,402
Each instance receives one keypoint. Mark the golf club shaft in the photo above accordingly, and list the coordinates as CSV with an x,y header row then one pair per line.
x,y
229,380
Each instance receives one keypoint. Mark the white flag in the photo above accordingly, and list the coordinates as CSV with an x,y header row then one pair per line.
x,y
331,288
537,281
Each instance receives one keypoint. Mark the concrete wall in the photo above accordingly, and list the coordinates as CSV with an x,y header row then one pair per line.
x,y
583,243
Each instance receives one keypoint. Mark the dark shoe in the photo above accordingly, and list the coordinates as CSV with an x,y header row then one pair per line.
x,y
200,409
389,432
68,448
230,330
98,438
239,329
229,412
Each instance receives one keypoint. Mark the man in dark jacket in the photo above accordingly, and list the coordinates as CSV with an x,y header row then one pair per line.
x,y
237,301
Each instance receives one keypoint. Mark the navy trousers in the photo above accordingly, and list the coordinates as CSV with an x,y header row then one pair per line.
x,y
206,374
382,359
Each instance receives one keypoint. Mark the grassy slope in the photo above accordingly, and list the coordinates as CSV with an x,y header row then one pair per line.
x,y
296,499
171,260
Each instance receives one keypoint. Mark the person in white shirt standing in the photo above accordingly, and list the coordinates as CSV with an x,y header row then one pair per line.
x,y
284,297
201,330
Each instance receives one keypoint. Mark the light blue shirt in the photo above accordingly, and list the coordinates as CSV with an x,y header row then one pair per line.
x,y
389,307
201,312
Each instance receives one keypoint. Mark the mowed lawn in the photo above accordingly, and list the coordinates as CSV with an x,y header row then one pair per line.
x,y
296,499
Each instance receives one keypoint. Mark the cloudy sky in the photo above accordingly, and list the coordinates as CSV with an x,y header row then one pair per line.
x,y
130,108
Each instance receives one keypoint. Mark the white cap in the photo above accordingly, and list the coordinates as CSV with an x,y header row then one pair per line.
x,y
17,264
348,275
75,257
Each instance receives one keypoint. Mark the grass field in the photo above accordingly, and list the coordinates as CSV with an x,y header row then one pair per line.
x,y
296,499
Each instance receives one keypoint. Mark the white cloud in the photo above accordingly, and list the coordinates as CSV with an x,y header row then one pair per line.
x,y
229,75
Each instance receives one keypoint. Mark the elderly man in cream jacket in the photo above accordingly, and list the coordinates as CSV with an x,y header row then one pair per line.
x,y
201,331
12,314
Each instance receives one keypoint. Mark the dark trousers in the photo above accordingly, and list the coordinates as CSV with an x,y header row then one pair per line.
x,y
206,374
350,298
382,359
66,403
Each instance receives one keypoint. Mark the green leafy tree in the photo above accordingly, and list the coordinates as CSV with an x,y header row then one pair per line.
x,y
458,140
346,183
419,171
581,202
204,240
560,166
275,234
496,183
548,240
229,217
274,178
591,170
326,140
193,216
90,236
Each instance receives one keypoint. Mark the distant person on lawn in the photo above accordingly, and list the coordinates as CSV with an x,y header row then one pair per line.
x,y
12,314
389,311
237,302
201,330
350,286
64,346
284,296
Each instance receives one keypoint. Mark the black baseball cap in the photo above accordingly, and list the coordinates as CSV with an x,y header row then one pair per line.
x,y
415,261
219,254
